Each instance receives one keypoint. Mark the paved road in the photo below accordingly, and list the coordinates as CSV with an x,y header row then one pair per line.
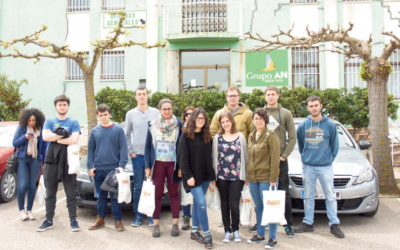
x,y
380,232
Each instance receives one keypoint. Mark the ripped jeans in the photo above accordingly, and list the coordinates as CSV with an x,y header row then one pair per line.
x,y
199,210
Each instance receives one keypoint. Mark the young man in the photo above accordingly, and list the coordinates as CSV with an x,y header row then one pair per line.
x,y
240,112
281,121
136,131
56,165
107,150
318,145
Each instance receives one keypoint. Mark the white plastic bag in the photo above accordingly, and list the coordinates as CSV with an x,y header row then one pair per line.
x,y
147,203
186,198
74,166
245,206
212,198
124,187
274,207
41,191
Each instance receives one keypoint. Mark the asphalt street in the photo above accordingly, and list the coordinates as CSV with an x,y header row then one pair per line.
x,y
379,232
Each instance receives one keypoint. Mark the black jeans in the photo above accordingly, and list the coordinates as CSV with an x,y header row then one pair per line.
x,y
230,192
50,175
283,184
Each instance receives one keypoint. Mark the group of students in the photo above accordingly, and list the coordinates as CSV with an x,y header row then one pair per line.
x,y
238,147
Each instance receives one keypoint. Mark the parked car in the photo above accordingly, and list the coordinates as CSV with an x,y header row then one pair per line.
x,y
8,181
355,180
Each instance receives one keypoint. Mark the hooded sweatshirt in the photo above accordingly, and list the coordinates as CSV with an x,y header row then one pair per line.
x,y
318,142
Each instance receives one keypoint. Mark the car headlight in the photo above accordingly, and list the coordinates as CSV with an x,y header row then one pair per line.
x,y
368,175
84,175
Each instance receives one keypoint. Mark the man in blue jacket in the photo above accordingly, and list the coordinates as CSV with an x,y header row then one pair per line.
x,y
318,145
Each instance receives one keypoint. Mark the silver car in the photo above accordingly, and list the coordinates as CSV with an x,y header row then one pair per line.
x,y
355,180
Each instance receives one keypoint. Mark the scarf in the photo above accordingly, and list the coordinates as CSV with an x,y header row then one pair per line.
x,y
166,126
32,143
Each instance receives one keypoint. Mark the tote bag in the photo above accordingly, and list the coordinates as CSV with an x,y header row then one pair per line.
x,y
274,207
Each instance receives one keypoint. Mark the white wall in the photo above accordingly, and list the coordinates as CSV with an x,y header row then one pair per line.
x,y
78,31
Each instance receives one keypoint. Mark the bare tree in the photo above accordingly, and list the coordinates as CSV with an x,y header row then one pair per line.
x,y
56,51
375,71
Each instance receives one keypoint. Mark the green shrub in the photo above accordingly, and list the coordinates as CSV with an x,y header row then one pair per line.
x,y
11,102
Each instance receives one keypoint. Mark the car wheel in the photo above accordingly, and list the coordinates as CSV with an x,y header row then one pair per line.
x,y
371,214
8,187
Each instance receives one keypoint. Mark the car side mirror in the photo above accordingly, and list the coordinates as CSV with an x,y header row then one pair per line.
x,y
364,144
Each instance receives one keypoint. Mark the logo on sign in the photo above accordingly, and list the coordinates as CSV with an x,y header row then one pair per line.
x,y
146,193
273,203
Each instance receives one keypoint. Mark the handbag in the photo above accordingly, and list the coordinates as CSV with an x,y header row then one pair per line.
x,y
12,162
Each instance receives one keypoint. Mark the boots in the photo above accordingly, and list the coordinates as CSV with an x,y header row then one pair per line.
x,y
119,226
99,223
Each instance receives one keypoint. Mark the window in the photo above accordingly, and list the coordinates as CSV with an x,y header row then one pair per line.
x,y
78,5
394,77
112,65
356,1
305,67
202,16
303,1
113,4
73,70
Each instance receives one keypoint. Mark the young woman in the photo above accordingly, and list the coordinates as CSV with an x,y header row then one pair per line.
x,y
187,112
229,160
161,161
29,139
262,171
195,151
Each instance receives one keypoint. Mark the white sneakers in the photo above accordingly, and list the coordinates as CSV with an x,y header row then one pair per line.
x,y
30,215
26,215
229,236
236,237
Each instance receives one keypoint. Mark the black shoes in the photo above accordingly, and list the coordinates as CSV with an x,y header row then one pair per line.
x,y
335,230
289,231
197,237
304,228
255,239
271,243
208,241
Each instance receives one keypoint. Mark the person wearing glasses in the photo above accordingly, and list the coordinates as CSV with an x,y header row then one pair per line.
x,y
160,158
187,112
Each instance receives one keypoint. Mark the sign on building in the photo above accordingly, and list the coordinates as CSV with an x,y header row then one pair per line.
x,y
133,18
265,69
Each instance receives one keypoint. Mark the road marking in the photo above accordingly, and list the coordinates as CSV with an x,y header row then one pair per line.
x,y
37,210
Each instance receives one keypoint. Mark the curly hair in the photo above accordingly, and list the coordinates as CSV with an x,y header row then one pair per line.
x,y
27,113
192,125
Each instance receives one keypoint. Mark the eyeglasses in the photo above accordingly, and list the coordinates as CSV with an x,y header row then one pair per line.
x,y
232,96
166,110
188,114
200,119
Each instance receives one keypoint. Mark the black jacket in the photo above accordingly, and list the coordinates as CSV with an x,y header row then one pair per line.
x,y
195,160
56,157
110,184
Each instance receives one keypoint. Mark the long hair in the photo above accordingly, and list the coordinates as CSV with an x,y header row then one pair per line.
x,y
183,117
27,113
223,114
192,125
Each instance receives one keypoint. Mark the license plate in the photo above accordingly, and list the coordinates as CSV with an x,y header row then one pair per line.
x,y
338,195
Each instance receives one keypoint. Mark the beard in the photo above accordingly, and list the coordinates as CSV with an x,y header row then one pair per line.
x,y
62,113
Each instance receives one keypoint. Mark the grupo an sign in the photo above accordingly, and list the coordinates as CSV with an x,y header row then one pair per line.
x,y
265,69
133,18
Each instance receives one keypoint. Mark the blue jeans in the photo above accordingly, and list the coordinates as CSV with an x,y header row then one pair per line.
x,y
325,176
27,174
199,212
256,190
100,176
186,211
138,177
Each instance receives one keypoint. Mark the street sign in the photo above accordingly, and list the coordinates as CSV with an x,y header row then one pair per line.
x,y
133,18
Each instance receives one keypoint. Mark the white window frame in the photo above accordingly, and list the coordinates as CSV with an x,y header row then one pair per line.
x,y
110,71
73,72
313,52
113,5
78,5
303,1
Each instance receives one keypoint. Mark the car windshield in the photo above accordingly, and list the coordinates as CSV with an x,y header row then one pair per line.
x,y
7,136
344,140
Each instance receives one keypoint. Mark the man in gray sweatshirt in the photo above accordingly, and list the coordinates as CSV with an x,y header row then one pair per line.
x,y
136,121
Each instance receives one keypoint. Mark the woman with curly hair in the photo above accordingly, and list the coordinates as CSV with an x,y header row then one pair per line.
x,y
29,140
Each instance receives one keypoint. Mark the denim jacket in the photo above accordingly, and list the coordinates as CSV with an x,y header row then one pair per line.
x,y
20,140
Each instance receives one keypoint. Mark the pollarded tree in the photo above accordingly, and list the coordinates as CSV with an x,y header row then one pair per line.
x,y
55,51
375,71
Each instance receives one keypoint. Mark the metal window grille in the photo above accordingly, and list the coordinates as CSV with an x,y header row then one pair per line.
x,y
73,70
394,77
112,65
113,4
78,5
305,67
204,16
356,0
303,1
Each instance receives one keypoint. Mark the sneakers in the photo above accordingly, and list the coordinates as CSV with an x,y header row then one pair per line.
x,y
30,215
186,223
289,231
335,230
220,223
255,239
175,230
227,238
151,222
208,241
23,216
236,237
197,237
47,224
271,243
74,226
156,231
304,228
138,221
253,229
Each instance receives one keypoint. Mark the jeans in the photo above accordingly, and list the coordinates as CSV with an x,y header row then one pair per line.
x,y
100,176
138,177
325,177
27,174
230,193
186,211
199,212
284,185
256,190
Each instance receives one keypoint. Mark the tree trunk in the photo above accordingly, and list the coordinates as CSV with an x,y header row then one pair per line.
x,y
378,117
90,102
